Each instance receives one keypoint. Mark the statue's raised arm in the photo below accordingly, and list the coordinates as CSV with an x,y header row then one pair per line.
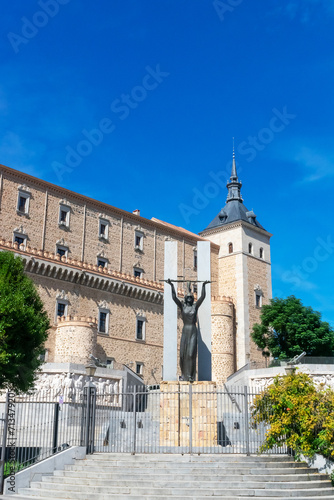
x,y
174,296
203,295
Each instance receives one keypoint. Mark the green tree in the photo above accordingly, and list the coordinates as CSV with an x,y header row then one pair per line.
x,y
299,415
23,325
288,328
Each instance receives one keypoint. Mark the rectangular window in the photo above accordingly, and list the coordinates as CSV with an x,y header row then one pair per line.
x,y
23,203
64,216
61,309
19,240
102,322
101,262
62,251
139,240
139,368
140,324
258,300
140,329
110,363
103,229
137,273
195,259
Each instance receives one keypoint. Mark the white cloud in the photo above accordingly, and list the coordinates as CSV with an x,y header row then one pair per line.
x,y
315,165
305,11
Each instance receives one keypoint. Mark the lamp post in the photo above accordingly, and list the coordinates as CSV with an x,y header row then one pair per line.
x,y
88,410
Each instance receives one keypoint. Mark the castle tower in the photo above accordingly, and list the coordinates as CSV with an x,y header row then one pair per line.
x,y
75,340
244,266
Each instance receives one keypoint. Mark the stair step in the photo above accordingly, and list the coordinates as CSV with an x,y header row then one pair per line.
x,y
67,477
147,477
159,495
187,488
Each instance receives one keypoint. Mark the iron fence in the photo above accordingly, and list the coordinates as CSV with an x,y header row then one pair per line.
x,y
180,418
186,419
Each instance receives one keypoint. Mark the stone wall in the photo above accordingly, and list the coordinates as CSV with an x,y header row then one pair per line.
x,y
85,287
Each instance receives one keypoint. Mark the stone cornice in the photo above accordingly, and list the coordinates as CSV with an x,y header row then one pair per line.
x,y
247,255
52,266
233,225
101,206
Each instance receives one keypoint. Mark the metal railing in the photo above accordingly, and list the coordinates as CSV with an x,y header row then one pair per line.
x,y
186,419
180,418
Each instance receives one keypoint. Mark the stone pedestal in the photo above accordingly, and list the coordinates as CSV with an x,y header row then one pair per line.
x,y
188,414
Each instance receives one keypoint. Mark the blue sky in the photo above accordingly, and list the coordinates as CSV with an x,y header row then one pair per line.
x,y
135,103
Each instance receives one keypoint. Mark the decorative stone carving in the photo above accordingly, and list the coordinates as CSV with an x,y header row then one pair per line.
x,y
24,188
62,242
20,230
64,202
62,295
70,387
103,304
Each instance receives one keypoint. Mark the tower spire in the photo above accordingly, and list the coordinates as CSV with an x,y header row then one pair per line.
x,y
234,175
234,186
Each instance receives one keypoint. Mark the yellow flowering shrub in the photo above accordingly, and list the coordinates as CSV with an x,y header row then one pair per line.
x,y
300,415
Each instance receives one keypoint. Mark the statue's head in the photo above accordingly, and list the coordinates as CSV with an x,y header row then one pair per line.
x,y
189,296
189,299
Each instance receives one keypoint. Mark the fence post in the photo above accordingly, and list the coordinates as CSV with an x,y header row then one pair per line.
x,y
246,420
190,418
134,420
55,427
4,443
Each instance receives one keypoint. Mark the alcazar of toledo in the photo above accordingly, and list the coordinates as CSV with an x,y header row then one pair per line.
x,y
99,272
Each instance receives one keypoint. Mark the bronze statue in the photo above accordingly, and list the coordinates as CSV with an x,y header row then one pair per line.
x,y
188,346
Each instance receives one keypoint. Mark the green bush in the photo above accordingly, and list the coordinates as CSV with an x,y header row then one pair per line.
x,y
300,416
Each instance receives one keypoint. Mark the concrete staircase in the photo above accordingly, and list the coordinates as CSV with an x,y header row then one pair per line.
x,y
160,477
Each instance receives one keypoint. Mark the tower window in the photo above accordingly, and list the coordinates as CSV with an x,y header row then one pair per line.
x,y
250,248
140,328
230,248
103,321
61,308
103,229
101,262
139,368
61,250
23,200
261,253
137,272
195,259
22,204
139,240
64,216
20,239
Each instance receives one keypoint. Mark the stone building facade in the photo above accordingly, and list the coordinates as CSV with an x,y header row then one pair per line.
x,y
98,270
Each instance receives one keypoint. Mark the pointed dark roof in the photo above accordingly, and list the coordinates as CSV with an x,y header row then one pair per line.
x,y
234,209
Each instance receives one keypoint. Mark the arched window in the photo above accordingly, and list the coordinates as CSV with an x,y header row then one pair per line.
x,y
250,248
261,253
230,248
